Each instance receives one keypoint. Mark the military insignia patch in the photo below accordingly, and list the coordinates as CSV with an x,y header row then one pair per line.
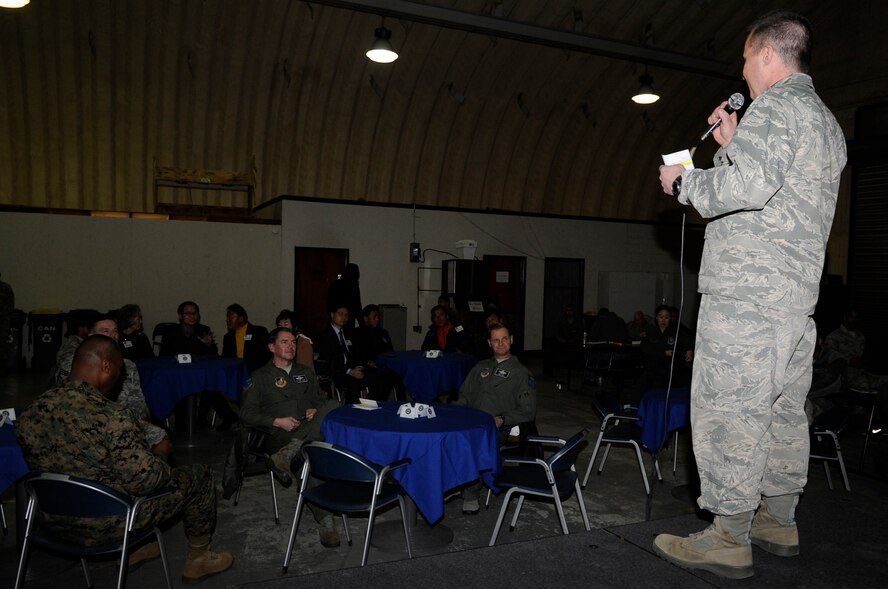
x,y
485,372
300,379
531,381
280,382
502,373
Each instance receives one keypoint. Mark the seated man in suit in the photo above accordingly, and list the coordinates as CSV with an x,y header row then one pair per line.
x,y
244,340
338,353
373,340
77,430
444,335
285,397
191,336
503,387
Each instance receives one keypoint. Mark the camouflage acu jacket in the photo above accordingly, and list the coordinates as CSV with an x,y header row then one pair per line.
x,y
773,194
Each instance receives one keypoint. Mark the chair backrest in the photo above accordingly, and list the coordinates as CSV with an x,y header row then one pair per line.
x,y
69,496
334,462
605,404
160,331
566,456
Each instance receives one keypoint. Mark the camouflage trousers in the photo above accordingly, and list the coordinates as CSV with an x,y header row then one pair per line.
x,y
194,498
752,372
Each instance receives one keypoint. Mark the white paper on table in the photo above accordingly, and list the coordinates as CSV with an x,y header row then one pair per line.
x,y
682,157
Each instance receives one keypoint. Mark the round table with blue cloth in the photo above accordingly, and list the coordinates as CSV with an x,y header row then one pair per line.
x,y
452,449
426,378
165,381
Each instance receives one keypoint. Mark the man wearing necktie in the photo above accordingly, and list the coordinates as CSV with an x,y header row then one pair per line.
x,y
335,350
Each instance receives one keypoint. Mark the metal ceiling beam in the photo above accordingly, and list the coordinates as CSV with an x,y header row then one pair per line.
x,y
527,33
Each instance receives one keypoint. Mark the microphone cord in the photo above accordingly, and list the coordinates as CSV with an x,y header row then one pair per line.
x,y
677,329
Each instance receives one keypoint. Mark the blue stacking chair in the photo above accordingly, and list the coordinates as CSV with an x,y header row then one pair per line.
x,y
68,496
555,477
351,484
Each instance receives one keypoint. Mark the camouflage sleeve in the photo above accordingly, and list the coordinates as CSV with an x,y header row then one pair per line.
x,y
758,157
131,396
138,471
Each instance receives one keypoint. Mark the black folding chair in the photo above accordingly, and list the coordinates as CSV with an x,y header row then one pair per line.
x,y
351,484
68,496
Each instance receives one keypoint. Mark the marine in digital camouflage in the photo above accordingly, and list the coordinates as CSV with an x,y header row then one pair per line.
x,y
75,430
771,197
131,396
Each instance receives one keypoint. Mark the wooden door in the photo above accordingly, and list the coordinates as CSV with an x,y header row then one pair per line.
x,y
506,287
315,269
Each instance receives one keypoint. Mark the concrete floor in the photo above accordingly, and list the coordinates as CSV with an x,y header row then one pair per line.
x,y
248,530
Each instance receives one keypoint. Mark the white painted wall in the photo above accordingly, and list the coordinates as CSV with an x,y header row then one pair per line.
x,y
378,240
67,262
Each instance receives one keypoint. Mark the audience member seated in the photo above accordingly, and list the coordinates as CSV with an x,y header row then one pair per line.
x,y
846,345
345,291
133,340
244,340
638,327
338,354
657,349
77,430
373,340
608,327
191,336
285,398
446,302
444,335
682,328
130,394
503,387
79,321
194,338
570,326
304,345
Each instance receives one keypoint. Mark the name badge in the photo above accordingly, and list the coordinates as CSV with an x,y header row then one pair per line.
x,y
502,373
248,337
458,328
127,344
348,342
300,379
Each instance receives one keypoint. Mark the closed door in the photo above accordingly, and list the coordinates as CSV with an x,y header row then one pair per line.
x,y
315,269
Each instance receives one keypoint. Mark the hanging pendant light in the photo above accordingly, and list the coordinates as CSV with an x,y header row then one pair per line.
x,y
14,3
646,94
382,51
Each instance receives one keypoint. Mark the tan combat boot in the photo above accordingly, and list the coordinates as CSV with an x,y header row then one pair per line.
x,y
713,550
772,536
327,532
146,553
201,562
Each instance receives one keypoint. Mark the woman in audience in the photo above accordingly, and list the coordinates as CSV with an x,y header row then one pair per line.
x,y
133,340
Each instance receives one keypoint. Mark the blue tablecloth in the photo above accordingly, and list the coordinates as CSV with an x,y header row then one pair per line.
x,y
426,378
12,463
165,381
450,450
653,428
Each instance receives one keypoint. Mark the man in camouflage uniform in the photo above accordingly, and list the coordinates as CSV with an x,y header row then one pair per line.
x,y
131,396
286,398
503,387
773,194
77,430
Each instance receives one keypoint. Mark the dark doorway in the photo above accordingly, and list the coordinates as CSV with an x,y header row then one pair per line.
x,y
314,270
506,288
563,284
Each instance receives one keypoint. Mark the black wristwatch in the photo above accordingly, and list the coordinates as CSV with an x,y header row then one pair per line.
x,y
676,187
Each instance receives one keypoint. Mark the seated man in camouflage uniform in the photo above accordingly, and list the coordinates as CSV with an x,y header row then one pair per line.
x,y
503,387
286,398
131,396
78,430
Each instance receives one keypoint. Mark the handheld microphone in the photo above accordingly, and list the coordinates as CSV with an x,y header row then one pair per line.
x,y
735,102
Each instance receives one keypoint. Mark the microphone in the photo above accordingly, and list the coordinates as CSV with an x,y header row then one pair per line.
x,y
735,102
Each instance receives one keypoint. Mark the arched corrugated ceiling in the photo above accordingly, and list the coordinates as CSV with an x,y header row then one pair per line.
x,y
93,93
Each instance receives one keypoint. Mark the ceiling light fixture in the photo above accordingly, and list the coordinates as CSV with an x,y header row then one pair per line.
x,y
646,94
382,51
14,3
